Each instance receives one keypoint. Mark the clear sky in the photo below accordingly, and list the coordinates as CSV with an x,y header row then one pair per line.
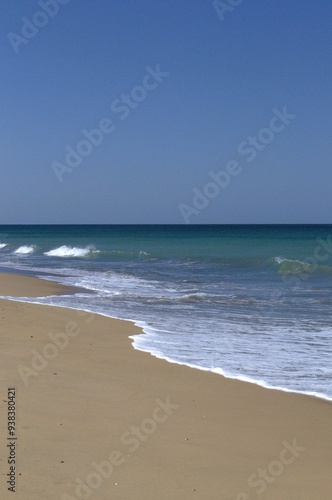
x,y
208,112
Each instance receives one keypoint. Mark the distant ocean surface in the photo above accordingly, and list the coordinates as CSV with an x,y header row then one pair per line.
x,y
248,302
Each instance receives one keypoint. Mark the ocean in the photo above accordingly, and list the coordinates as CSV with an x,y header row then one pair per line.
x,y
251,302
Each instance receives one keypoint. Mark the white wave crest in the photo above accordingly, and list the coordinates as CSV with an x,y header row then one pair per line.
x,y
65,251
281,260
25,249
3,245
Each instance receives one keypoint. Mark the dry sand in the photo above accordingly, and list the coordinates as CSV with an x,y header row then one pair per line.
x,y
97,419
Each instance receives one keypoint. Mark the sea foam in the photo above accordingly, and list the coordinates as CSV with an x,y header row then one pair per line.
x,y
65,251
25,249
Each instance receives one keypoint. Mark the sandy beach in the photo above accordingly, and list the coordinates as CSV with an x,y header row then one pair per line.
x,y
97,419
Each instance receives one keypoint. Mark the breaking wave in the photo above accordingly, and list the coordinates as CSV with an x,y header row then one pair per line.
x,y
25,249
294,267
65,251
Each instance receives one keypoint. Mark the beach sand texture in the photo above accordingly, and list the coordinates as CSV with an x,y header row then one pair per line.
x,y
97,419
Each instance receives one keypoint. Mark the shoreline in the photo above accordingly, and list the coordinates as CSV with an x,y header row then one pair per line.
x,y
61,289
165,430
140,326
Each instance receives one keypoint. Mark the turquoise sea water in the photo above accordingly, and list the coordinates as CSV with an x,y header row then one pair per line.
x,y
252,302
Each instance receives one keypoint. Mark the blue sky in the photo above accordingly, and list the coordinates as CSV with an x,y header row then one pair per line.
x,y
177,87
